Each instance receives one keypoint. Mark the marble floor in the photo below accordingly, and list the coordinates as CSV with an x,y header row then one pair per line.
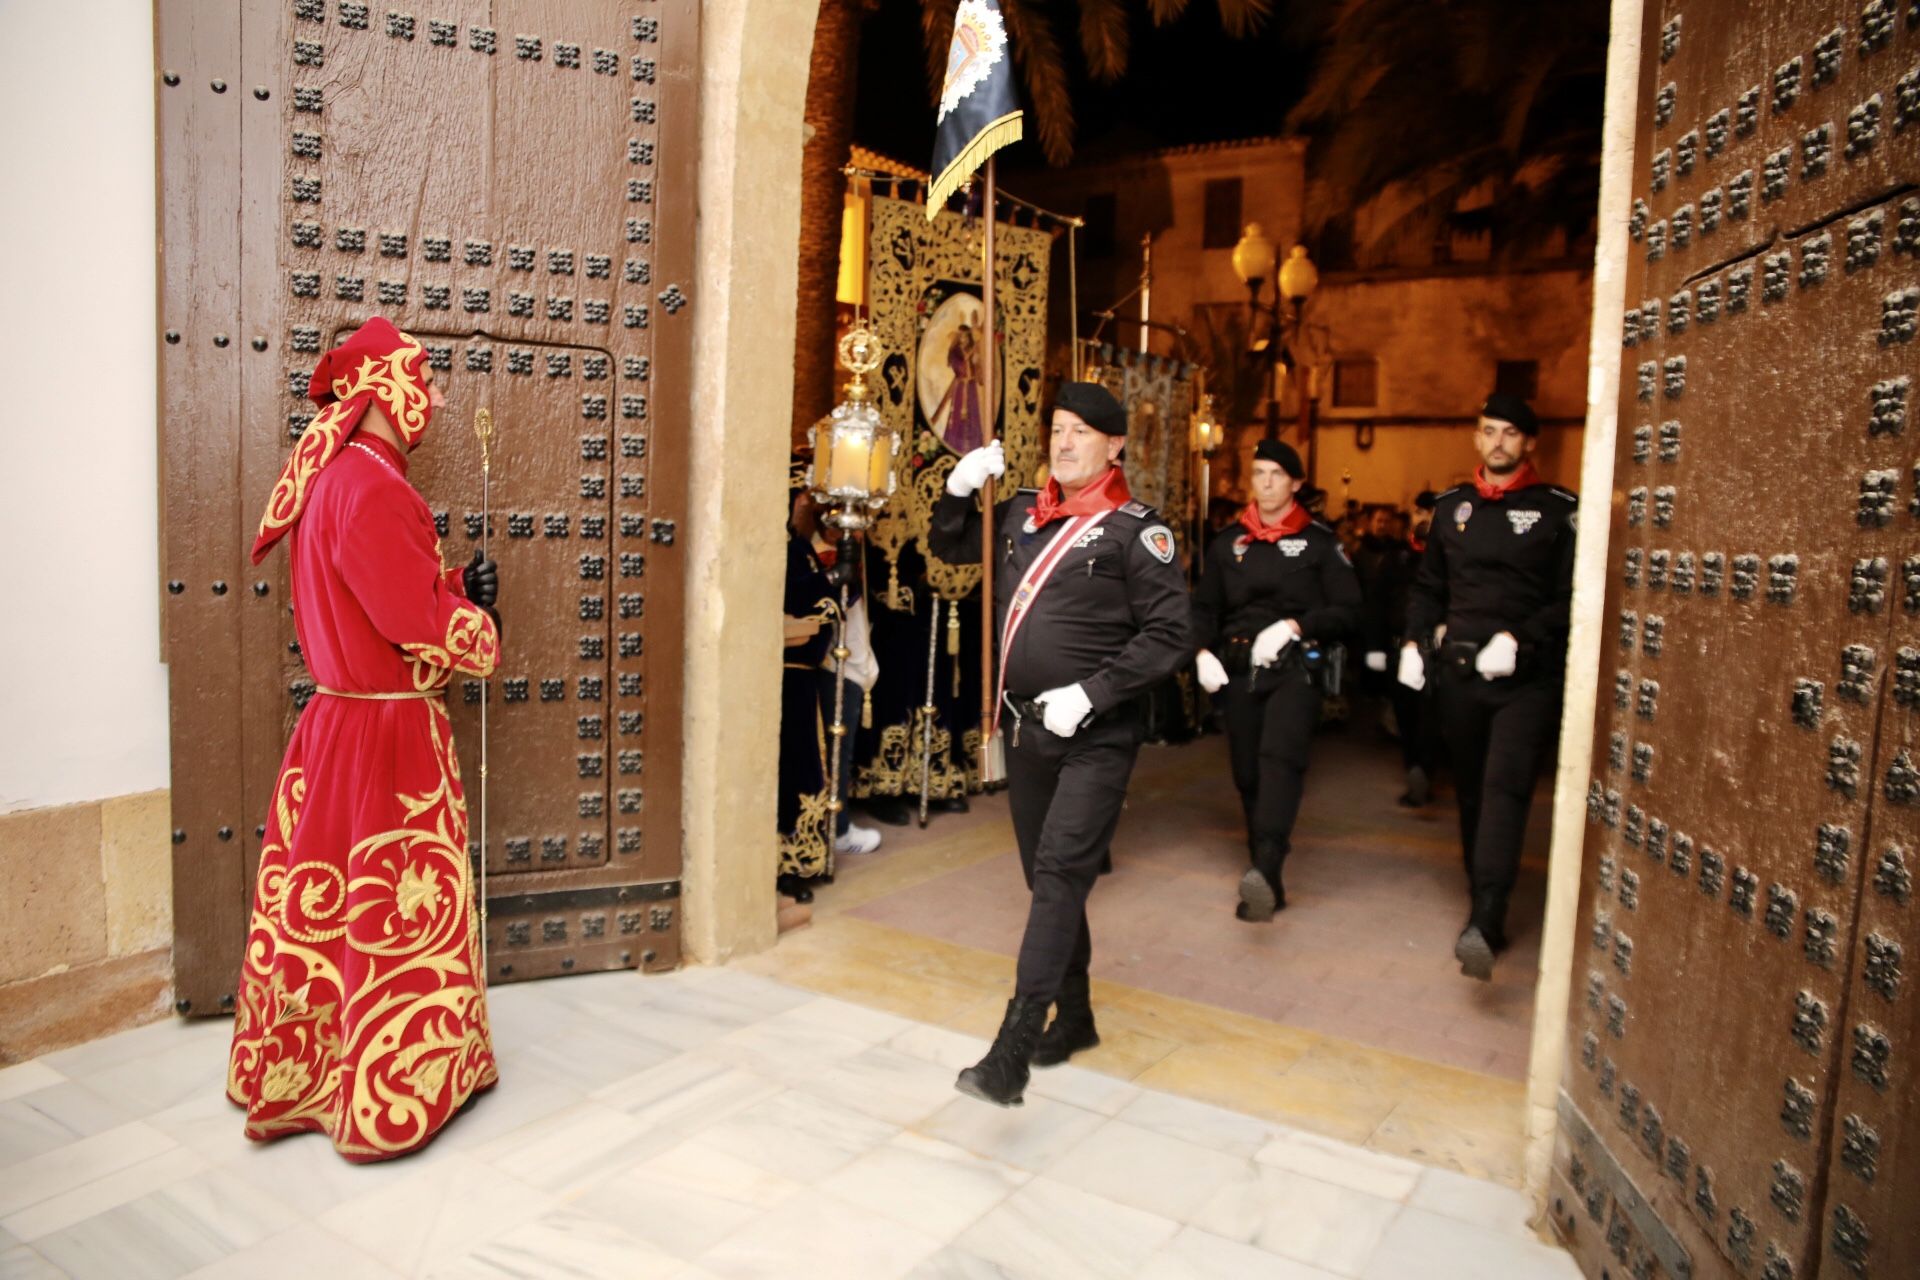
x,y
1347,1017
1364,950
718,1123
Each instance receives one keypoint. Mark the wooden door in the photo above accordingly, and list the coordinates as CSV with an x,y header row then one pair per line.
x,y
512,182
1744,907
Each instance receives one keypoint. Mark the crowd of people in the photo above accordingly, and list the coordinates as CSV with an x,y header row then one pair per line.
x,y
362,1006
1452,617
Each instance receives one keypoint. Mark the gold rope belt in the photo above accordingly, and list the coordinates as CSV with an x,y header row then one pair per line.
x,y
382,697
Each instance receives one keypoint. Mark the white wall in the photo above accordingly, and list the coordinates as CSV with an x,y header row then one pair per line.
x,y
83,696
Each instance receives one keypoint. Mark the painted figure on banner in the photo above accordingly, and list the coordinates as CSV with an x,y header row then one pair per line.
x,y
962,431
952,367
362,1006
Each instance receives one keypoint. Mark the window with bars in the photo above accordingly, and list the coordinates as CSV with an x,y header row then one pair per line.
x,y
1221,226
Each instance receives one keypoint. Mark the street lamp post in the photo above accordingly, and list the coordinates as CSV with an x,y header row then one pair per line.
x,y
1254,260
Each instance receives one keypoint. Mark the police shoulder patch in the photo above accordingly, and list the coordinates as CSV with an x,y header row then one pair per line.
x,y
1158,539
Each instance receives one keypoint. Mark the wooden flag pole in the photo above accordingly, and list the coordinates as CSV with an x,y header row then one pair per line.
x,y
992,768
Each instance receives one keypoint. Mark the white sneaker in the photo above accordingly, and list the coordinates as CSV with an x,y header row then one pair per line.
x,y
858,839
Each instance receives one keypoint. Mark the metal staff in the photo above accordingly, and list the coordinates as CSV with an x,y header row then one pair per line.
x,y
483,428
993,767
836,735
926,728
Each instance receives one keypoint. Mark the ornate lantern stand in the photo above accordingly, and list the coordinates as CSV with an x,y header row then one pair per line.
x,y
1255,261
1207,435
852,476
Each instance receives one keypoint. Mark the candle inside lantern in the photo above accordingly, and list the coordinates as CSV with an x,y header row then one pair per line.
x,y
850,460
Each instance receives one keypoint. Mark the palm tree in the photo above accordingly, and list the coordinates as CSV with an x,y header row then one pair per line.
x,y
823,188
1103,28
1442,98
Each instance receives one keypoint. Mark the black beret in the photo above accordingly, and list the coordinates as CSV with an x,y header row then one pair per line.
x,y
1426,500
1094,405
1514,409
1283,453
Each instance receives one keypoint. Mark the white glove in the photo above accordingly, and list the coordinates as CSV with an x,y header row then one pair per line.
x,y
1376,661
972,471
1500,656
1063,710
1413,671
1213,676
1272,642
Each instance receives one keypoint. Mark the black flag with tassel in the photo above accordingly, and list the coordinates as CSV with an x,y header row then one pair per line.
x,y
979,110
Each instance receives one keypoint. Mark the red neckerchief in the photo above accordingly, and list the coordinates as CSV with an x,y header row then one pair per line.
x,y
1108,493
1292,521
1522,477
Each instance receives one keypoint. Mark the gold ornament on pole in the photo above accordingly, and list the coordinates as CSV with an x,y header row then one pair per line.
x,y
852,476
483,431
852,469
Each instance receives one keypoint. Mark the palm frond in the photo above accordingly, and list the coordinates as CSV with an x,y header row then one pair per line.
x,y
1241,18
1044,72
1164,11
1104,38
936,31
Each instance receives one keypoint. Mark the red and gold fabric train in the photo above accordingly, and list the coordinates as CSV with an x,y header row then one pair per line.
x,y
362,1009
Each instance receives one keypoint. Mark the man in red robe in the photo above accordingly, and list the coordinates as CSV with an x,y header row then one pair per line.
x,y
362,1012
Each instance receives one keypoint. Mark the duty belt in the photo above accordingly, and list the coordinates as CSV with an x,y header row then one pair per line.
x,y
1024,707
1460,655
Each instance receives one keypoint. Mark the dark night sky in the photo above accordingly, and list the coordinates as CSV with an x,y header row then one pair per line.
x,y
1186,82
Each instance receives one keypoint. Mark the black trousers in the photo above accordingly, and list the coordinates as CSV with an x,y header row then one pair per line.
x,y
1065,795
1413,715
1498,734
1271,716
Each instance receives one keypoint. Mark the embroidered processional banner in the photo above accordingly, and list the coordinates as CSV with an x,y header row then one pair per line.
x,y
1158,394
924,283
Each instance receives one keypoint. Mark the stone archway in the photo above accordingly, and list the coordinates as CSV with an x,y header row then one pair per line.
x,y
753,87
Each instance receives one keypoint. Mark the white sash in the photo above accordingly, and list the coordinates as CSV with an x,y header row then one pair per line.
x,y
1036,577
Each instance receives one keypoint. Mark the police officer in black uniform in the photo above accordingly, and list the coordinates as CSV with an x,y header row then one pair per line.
x,y
1277,595
1493,599
1091,612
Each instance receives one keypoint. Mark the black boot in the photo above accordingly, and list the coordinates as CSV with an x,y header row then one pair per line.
x,y
794,887
1485,935
1001,1076
1072,1027
1261,892
1419,788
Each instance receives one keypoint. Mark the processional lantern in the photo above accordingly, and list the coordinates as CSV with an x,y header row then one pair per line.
x,y
852,477
852,469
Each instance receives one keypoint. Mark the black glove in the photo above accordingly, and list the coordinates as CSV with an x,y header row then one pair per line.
x,y
840,573
482,579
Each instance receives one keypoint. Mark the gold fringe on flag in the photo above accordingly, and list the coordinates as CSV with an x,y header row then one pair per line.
x,y
1005,131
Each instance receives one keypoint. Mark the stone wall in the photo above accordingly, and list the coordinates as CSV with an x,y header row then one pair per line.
x,y
86,923
87,913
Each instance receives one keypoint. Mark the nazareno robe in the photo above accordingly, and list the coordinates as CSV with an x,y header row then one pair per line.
x,y
362,1013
